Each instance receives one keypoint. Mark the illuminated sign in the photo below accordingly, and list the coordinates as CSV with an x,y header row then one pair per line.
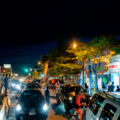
x,y
7,65
113,66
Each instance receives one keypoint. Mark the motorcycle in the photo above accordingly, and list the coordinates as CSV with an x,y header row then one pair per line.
x,y
75,115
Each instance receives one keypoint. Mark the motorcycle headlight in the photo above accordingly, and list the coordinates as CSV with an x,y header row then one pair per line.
x,y
45,107
18,107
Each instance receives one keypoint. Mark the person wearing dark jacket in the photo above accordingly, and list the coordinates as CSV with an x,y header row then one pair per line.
x,y
6,84
47,95
86,87
118,89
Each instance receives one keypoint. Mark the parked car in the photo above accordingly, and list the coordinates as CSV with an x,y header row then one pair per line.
x,y
104,106
66,94
31,105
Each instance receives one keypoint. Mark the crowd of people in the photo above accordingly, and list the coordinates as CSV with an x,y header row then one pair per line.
x,y
111,87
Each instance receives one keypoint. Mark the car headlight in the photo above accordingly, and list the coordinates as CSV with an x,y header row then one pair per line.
x,y
13,85
18,107
18,87
45,107
70,98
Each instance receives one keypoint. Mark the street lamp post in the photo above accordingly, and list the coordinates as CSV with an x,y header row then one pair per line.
x,y
39,63
74,46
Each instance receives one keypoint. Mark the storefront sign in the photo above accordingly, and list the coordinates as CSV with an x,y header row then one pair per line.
x,y
113,66
7,65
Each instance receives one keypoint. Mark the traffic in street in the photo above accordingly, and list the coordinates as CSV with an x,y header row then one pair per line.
x,y
59,60
38,102
55,111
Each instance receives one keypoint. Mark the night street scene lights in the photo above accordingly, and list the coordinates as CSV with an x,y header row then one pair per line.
x,y
74,44
39,63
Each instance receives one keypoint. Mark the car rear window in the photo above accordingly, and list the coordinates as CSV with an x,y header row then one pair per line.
x,y
96,103
108,112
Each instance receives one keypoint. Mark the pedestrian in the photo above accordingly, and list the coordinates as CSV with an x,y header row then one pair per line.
x,y
118,89
86,87
47,95
109,84
112,87
2,83
6,84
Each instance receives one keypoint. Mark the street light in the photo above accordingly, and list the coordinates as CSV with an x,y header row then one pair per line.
x,y
74,45
39,63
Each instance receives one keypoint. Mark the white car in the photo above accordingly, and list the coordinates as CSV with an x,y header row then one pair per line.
x,y
104,106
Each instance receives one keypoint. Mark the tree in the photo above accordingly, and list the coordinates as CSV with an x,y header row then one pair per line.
x,y
62,62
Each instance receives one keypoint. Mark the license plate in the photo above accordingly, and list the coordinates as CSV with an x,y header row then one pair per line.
x,y
21,118
32,112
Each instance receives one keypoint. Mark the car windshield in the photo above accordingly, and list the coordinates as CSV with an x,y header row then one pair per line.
x,y
74,89
31,94
15,81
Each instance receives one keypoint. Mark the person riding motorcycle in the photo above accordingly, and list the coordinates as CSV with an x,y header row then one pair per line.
x,y
79,101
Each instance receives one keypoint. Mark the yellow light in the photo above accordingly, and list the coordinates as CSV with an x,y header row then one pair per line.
x,y
39,63
74,45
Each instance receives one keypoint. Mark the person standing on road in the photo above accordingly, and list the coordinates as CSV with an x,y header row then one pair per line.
x,y
6,84
86,87
2,83
47,95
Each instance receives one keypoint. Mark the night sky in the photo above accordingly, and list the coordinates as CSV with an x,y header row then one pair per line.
x,y
29,29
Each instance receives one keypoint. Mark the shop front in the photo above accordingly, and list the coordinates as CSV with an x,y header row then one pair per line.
x,y
114,70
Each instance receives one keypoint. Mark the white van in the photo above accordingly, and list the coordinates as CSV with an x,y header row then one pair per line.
x,y
104,106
